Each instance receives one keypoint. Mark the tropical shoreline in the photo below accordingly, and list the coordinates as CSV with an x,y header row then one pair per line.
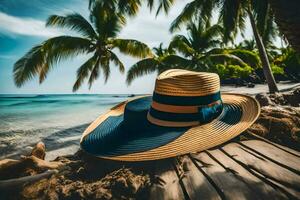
x,y
188,141
68,175
62,141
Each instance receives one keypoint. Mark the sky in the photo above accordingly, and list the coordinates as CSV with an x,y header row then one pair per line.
x,y
22,25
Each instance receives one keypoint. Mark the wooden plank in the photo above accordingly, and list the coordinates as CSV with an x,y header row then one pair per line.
x,y
273,153
281,147
226,181
166,183
259,187
282,177
194,182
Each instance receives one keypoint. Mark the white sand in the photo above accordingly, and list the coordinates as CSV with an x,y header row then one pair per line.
x,y
259,88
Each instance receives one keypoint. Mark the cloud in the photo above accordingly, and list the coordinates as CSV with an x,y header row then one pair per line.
x,y
8,57
11,25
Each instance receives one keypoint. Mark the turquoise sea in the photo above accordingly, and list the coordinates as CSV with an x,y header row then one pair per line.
x,y
57,120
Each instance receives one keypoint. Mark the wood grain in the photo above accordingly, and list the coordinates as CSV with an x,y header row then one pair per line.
x,y
253,169
166,184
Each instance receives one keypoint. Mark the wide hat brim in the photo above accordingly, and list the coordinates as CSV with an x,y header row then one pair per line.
x,y
239,113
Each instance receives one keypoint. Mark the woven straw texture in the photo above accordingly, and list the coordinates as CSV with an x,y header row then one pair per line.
x,y
187,83
197,138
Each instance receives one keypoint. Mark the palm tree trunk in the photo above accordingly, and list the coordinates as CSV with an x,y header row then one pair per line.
x,y
263,56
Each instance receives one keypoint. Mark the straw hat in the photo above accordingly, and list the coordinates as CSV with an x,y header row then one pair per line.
x,y
186,113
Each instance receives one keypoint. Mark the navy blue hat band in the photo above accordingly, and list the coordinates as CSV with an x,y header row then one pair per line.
x,y
204,115
186,100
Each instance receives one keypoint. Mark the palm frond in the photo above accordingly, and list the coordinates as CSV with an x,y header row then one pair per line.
x,y
117,61
83,72
29,65
142,67
125,7
150,4
63,47
107,21
129,7
104,64
242,19
230,16
260,10
206,9
197,10
95,72
132,47
213,31
247,45
109,5
74,22
271,31
182,45
213,43
185,16
158,50
164,5
174,61
40,59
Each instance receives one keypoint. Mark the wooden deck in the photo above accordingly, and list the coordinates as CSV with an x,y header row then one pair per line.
x,y
254,169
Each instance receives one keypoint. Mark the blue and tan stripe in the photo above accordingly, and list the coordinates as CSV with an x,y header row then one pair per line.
x,y
186,100
180,109
185,111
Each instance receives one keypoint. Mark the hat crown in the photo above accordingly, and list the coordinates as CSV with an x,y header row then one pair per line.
x,y
185,98
135,113
177,82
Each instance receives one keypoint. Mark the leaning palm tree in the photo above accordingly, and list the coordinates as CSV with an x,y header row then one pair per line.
x,y
98,39
233,15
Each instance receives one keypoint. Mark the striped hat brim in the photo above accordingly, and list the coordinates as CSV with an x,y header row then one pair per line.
x,y
239,113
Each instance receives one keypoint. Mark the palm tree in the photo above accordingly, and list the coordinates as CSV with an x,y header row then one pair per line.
x,y
124,7
201,37
98,39
163,59
131,7
287,18
202,47
246,44
161,51
289,60
262,52
233,15
198,51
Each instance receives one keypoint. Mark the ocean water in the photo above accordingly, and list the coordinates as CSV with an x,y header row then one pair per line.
x,y
57,120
